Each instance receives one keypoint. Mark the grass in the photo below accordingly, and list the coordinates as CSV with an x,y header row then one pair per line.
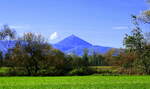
x,y
76,82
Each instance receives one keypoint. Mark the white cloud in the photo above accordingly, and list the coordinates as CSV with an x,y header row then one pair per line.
x,y
120,27
54,36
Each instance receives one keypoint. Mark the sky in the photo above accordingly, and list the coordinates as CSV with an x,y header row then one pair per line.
x,y
100,22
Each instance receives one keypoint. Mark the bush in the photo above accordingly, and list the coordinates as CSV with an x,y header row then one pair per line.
x,y
7,71
81,71
51,71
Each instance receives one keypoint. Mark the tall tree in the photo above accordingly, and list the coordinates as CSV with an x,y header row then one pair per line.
x,y
137,44
85,57
135,41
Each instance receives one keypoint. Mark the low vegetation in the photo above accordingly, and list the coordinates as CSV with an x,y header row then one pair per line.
x,y
76,82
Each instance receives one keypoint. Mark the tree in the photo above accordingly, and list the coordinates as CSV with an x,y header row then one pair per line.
x,y
138,45
29,51
109,58
134,45
1,58
145,60
135,41
128,59
97,60
77,61
85,57
7,33
36,56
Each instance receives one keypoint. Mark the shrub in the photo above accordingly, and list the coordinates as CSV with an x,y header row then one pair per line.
x,y
81,71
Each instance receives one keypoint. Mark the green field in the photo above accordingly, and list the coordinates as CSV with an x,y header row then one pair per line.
x,y
76,82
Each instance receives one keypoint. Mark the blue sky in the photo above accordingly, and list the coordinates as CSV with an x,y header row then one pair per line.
x,y
100,22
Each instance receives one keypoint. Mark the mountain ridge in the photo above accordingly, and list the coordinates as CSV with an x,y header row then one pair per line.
x,y
75,45
70,45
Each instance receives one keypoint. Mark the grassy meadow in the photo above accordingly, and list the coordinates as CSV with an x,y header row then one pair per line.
x,y
76,82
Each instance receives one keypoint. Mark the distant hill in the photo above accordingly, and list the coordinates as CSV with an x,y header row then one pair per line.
x,y
70,45
5,45
76,45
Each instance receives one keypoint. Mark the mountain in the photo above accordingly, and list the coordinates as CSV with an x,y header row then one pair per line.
x,y
69,45
74,44
5,45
